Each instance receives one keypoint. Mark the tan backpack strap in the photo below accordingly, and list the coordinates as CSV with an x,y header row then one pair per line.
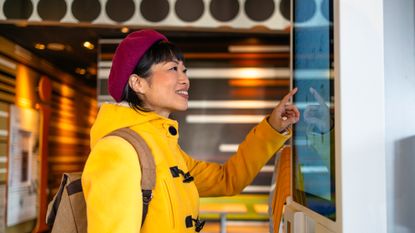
x,y
148,167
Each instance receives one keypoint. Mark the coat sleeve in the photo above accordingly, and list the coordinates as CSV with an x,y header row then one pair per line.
x,y
231,178
112,189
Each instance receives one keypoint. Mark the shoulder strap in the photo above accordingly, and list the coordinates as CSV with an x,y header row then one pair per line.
x,y
147,164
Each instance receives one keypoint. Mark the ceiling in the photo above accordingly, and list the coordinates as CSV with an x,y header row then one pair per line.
x,y
74,57
82,62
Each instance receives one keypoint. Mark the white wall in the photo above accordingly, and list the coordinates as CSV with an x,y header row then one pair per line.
x,y
362,117
399,36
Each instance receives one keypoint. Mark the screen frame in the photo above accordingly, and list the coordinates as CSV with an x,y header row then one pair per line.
x,y
301,196
333,225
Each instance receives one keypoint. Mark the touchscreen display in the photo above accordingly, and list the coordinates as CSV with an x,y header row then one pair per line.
x,y
313,140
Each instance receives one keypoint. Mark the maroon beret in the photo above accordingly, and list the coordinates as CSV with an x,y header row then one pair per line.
x,y
129,52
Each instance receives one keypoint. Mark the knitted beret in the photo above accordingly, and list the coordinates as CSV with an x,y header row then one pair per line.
x,y
127,55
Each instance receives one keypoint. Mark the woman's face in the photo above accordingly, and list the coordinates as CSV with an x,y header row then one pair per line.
x,y
166,90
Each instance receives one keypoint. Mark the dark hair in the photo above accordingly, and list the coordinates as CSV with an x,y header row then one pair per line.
x,y
161,51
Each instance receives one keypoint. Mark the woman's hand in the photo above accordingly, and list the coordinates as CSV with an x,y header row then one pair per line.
x,y
284,114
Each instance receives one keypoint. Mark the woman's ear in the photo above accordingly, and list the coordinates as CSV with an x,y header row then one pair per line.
x,y
137,83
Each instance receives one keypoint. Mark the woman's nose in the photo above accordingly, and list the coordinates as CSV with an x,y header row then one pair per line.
x,y
184,79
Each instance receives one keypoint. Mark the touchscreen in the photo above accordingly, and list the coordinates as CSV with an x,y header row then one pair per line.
x,y
313,140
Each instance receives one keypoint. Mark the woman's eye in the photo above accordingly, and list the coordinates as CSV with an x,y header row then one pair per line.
x,y
185,71
174,68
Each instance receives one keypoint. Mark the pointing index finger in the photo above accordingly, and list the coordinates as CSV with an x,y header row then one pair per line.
x,y
287,97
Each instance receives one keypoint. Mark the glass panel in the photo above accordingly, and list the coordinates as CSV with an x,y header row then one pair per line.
x,y
313,141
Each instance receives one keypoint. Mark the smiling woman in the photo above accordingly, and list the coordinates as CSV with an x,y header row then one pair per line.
x,y
149,79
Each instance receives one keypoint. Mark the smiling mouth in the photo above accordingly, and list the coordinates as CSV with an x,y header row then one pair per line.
x,y
183,93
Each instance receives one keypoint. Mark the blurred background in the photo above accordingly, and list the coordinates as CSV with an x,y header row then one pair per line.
x,y
55,57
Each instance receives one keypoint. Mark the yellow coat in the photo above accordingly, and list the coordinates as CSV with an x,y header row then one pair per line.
x,y
111,177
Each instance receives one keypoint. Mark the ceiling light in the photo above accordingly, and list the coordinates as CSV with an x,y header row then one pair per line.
x,y
92,70
125,29
259,82
80,71
40,46
258,49
56,46
21,23
89,45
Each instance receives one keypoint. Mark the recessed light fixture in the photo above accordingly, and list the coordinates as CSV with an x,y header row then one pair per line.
x,y
56,46
125,29
258,49
40,46
80,71
89,45
92,70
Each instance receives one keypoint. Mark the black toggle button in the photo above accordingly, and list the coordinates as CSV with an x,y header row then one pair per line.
x,y
189,222
187,178
199,224
172,131
176,172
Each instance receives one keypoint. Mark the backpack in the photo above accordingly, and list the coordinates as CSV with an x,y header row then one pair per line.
x,y
67,211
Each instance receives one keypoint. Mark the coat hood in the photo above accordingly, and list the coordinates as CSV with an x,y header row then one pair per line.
x,y
115,116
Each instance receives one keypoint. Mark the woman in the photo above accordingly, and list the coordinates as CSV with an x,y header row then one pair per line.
x,y
149,75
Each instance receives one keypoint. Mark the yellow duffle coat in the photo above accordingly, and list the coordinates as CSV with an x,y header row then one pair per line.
x,y
111,177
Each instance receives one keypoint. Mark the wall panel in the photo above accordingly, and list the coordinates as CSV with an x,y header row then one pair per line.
x,y
72,116
73,109
4,129
7,92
